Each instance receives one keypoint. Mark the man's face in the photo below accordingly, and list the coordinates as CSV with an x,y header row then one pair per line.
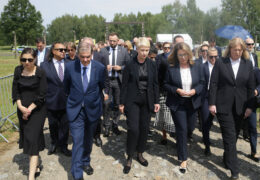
x,y
40,46
212,44
204,51
113,41
250,44
85,57
178,40
59,51
166,48
152,56
212,56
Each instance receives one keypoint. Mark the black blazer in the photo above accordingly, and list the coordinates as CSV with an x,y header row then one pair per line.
x,y
205,72
162,66
55,98
173,81
255,59
225,90
130,90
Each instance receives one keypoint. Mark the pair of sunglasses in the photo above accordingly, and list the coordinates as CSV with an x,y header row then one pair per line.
x,y
25,59
211,57
61,49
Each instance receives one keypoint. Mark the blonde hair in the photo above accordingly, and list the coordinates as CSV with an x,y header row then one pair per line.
x,y
173,57
233,43
129,45
143,41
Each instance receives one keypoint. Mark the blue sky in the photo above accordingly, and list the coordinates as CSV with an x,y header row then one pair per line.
x,y
50,9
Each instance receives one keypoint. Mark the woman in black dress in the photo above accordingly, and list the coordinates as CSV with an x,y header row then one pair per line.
x,y
28,92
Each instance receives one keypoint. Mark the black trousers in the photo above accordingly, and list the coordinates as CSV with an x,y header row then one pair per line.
x,y
138,119
114,97
230,125
59,127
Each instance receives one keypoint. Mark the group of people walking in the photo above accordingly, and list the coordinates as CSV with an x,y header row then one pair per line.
x,y
75,90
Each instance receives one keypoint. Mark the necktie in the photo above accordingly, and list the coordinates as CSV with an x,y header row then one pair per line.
x,y
85,79
61,75
113,62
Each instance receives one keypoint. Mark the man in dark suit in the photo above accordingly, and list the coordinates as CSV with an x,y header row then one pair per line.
x,y
98,56
42,51
203,54
231,97
83,83
116,57
206,117
56,99
250,44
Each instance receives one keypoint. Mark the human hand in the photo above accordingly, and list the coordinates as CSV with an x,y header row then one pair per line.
x,y
213,110
109,67
116,68
156,107
121,108
247,113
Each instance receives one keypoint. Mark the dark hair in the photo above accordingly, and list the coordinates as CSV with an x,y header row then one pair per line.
x,y
39,40
175,37
212,39
29,51
51,55
113,34
166,43
153,50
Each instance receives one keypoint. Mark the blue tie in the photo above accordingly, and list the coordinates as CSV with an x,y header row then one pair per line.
x,y
85,79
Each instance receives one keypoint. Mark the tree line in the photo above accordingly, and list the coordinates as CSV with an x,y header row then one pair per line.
x,y
21,16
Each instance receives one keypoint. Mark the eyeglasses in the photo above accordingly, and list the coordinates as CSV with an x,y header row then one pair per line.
x,y
211,57
61,49
166,48
68,50
182,55
25,59
250,44
204,50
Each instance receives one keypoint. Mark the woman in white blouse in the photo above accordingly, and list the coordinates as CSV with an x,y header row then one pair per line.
x,y
183,83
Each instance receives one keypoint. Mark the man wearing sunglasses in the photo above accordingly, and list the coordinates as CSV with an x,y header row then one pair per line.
x,y
56,99
203,53
206,116
250,47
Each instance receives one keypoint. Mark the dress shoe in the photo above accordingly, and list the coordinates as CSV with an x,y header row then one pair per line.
x,y
38,170
98,141
116,131
182,169
143,162
252,156
163,142
207,151
66,152
106,133
78,178
126,169
88,169
52,149
234,177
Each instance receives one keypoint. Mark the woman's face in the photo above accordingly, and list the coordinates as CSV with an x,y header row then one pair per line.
x,y
236,52
143,52
27,61
183,57
71,51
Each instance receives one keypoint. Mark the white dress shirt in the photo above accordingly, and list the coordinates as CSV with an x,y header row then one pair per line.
x,y
110,60
186,79
235,66
56,65
40,56
252,59
210,71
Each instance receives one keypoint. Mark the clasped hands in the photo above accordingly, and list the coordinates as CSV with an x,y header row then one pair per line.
x,y
183,93
115,67
26,112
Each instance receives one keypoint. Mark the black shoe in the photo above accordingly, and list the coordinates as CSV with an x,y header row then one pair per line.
x,y
190,139
183,169
52,149
98,141
234,177
66,152
88,169
38,173
163,142
252,156
143,163
78,178
116,131
106,133
126,169
207,151
150,133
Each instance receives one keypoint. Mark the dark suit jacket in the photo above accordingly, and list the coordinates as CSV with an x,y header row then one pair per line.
x,y
130,88
173,81
92,98
55,98
162,66
225,90
122,58
255,59
205,72
46,55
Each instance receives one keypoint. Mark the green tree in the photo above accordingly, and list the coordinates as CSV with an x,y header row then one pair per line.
x,y
21,16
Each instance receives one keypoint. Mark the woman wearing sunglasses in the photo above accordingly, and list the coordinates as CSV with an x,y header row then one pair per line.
x,y
28,92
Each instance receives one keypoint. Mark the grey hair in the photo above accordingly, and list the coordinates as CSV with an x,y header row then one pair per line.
x,y
85,47
85,39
